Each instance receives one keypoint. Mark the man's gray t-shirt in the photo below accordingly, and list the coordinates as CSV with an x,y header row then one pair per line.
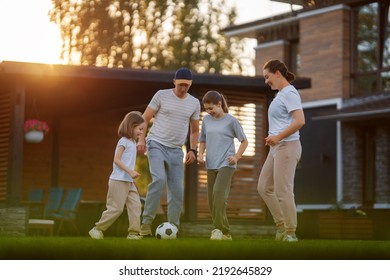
x,y
219,136
173,114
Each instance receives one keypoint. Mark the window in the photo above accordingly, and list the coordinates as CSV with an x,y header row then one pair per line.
x,y
371,24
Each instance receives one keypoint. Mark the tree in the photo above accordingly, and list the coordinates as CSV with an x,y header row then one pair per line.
x,y
148,34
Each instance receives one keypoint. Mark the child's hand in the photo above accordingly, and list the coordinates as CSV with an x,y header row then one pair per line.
x,y
134,174
232,160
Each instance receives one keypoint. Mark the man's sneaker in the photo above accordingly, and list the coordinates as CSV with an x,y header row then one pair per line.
x,y
290,238
146,230
216,234
96,234
280,234
227,237
134,236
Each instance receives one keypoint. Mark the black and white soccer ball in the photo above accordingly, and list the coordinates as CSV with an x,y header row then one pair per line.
x,y
166,231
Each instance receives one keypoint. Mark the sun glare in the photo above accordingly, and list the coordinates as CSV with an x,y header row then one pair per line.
x,y
26,32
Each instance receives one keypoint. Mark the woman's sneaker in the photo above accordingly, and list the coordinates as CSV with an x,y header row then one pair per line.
x,y
96,234
290,238
280,234
216,234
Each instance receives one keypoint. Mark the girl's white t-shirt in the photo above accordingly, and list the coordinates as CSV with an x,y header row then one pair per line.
x,y
128,158
279,111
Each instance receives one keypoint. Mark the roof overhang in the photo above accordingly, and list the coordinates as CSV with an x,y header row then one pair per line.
x,y
71,90
359,109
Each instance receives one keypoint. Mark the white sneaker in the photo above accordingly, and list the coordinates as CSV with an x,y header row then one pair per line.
x,y
280,235
290,238
96,234
134,237
227,237
216,234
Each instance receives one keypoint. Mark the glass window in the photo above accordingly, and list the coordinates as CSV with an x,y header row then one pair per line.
x,y
367,38
371,64
386,49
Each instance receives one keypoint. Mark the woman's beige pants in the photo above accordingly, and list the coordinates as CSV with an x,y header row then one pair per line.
x,y
276,183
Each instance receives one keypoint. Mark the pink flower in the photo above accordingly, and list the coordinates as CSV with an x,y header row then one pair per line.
x,y
37,125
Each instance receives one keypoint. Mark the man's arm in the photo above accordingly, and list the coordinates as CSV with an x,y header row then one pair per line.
x,y
147,115
194,138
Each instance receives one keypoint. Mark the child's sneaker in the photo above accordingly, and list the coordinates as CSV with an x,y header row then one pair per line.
x,y
146,230
216,234
134,236
290,238
96,234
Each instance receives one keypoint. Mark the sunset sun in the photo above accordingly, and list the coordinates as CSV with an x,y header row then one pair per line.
x,y
26,32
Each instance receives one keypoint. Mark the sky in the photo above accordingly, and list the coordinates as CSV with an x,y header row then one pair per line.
x,y
36,39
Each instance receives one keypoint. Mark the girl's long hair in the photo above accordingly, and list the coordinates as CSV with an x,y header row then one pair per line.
x,y
214,97
128,123
274,65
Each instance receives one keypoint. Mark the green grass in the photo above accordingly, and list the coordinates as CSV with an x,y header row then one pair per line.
x,y
84,248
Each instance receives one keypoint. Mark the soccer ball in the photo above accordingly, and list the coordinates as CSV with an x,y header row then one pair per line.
x,y
166,231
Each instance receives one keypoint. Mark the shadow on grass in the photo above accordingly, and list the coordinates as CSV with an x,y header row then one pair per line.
x,y
84,248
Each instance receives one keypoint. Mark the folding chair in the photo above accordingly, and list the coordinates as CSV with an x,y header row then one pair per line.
x,y
52,205
68,209
35,203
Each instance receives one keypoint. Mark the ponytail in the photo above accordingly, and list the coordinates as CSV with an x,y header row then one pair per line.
x,y
214,97
274,65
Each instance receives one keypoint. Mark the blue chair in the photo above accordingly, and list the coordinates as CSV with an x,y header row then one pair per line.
x,y
35,203
53,202
68,209
52,205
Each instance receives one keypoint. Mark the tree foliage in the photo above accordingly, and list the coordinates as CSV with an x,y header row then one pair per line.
x,y
148,34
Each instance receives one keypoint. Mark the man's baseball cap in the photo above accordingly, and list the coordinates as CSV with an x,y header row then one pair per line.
x,y
183,76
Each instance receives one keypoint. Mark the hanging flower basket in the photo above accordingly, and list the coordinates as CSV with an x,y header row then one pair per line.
x,y
35,130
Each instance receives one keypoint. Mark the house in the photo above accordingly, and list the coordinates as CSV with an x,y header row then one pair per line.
x,y
343,46
83,107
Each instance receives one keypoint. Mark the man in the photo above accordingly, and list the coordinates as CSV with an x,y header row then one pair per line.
x,y
173,111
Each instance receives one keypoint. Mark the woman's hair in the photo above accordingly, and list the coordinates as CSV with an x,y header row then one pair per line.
x,y
128,123
274,65
214,97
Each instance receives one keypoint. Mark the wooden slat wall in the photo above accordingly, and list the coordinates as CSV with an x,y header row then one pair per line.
x,y
244,201
5,121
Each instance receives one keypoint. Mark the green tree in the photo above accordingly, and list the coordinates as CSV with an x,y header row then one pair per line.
x,y
148,34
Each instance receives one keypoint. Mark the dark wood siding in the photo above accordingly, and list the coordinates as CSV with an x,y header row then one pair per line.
x,y
5,122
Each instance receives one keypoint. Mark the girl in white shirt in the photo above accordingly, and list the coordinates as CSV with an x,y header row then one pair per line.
x,y
121,188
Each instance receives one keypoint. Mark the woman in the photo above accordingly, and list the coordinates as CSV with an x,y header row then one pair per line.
x,y
276,181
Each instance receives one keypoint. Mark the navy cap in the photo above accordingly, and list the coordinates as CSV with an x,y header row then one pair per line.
x,y
183,75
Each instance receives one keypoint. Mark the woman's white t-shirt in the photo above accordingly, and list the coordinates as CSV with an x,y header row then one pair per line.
x,y
279,112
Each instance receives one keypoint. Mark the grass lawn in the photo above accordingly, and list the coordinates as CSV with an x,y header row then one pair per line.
x,y
113,248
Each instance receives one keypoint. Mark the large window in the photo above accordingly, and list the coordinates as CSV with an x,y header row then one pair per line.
x,y
371,64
